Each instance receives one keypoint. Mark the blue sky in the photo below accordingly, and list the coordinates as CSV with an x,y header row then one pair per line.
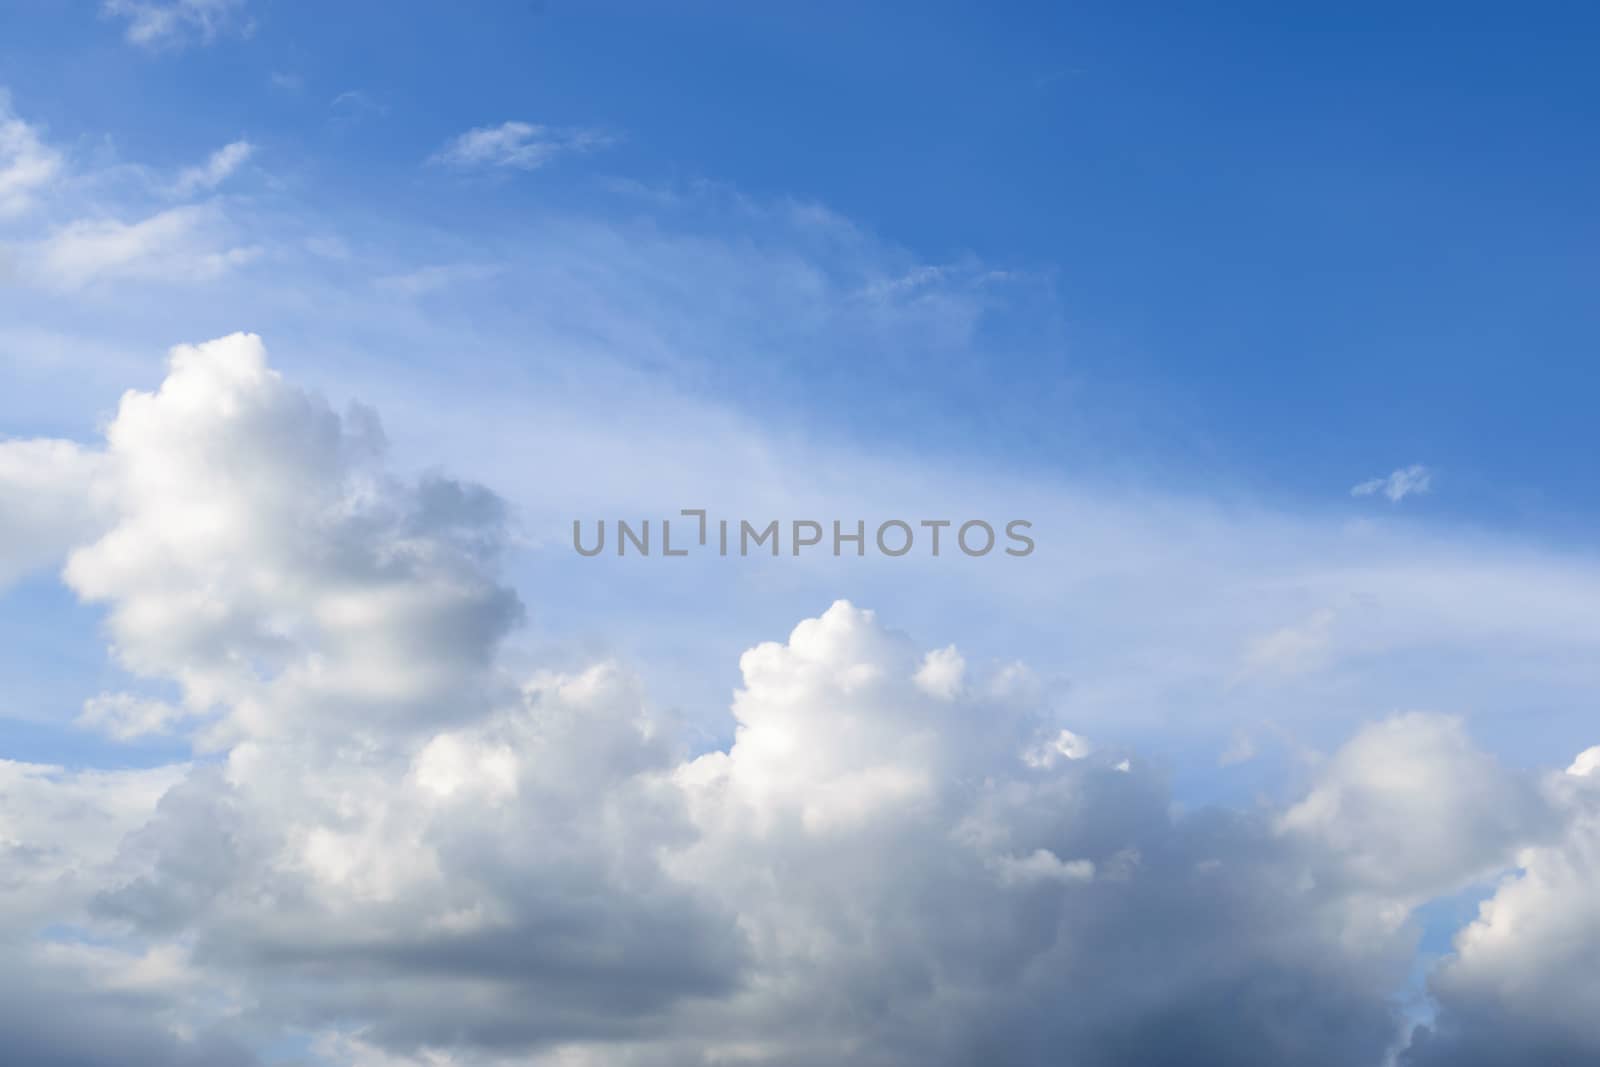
x,y
1275,322
1296,244
1251,260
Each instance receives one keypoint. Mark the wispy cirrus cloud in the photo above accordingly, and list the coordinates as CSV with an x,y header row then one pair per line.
x,y
1407,481
188,243
117,220
518,146
218,168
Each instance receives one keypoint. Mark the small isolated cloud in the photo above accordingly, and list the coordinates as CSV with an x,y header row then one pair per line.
x,y
154,24
27,164
1407,481
518,145
1065,745
215,170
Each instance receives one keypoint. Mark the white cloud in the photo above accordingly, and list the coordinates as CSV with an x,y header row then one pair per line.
x,y
1065,745
518,145
57,825
1042,865
120,225
884,845
941,673
1407,481
52,495
401,839
1411,809
646,308
1587,763
173,23
182,244
279,518
216,170
385,777
27,164
1522,984
125,716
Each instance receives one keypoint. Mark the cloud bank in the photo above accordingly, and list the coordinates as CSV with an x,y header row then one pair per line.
x,y
392,850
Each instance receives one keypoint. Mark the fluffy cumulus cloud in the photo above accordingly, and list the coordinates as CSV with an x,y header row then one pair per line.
x,y
917,886
1522,986
1376,811
390,851
263,559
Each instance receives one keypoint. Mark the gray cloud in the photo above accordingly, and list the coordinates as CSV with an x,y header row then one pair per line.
x,y
1522,985
45,1024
